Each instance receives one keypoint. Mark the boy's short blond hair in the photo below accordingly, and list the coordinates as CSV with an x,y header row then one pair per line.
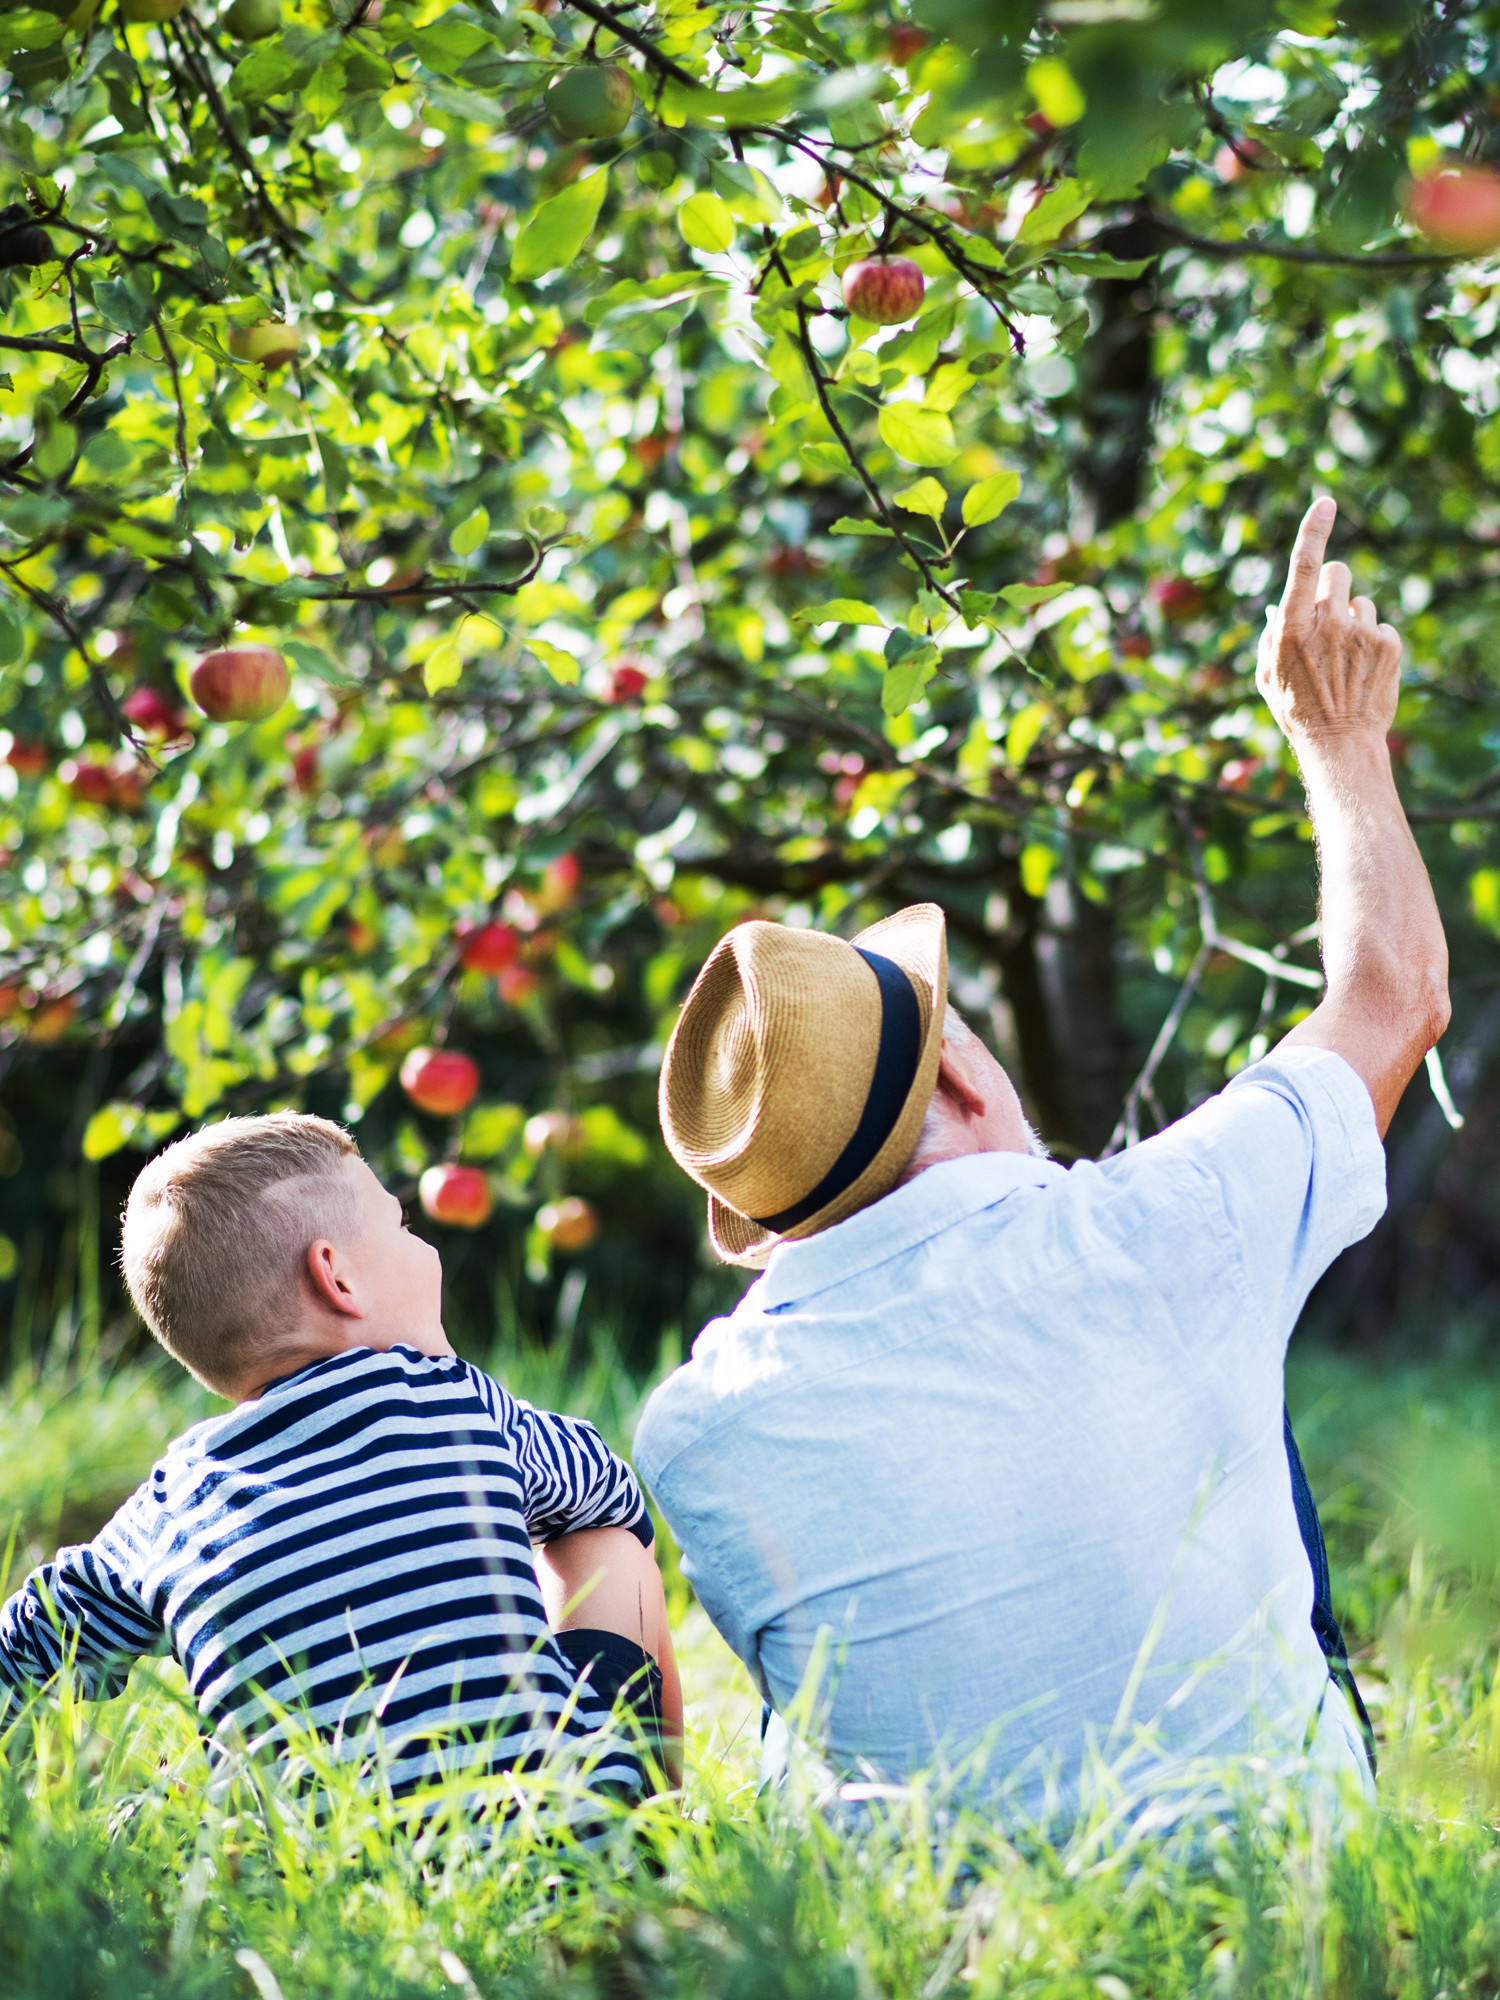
x,y
217,1229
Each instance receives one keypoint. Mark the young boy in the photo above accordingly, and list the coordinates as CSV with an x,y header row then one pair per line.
x,y
353,1541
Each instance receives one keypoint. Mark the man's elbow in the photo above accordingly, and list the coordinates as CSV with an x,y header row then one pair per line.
x,y
1437,1007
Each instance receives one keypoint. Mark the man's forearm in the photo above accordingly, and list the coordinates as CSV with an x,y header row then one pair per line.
x,y
1384,954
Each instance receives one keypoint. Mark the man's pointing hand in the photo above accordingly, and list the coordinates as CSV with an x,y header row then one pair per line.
x,y
1326,668
1330,673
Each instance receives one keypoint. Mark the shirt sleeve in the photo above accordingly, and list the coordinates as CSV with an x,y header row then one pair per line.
x,y
84,1608
1290,1157
569,1476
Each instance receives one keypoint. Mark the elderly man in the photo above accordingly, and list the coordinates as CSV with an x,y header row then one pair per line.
x,y
994,1449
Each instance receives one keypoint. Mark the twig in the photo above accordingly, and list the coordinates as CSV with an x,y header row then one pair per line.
x,y
1291,253
1127,1131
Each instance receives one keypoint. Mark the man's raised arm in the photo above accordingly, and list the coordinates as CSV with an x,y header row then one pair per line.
x,y
1330,674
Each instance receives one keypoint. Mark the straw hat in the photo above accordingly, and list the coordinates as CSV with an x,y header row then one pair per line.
x,y
800,1071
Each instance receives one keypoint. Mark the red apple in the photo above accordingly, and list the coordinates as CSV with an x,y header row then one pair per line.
x,y
1178,598
569,1224
559,884
886,290
627,682
92,784
1239,773
241,683
269,342
517,984
1237,162
442,1081
558,1129
305,768
1135,646
905,43
153,713
127,784
457,1196
27,760
1457,208
487,947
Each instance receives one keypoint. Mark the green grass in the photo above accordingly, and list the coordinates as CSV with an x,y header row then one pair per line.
x,y
125,1872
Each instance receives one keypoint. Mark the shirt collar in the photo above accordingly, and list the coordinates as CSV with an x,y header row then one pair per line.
x,y
933,1202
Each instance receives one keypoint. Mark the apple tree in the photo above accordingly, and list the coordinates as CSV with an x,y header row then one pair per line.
x,y
493,495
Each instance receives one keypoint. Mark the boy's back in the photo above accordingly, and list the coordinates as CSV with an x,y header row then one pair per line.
x,y
352,1543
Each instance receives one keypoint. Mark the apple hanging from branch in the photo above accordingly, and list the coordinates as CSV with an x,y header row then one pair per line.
x,y
270,343
488,948
457,1196
441,1081
885,290
240,683
1457,208
591,101
154,713
569,1224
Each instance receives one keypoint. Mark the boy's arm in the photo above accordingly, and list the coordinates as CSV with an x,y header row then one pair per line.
x,y
570,1477
80,1609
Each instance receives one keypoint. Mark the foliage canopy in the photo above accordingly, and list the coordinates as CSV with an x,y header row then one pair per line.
x,y
962,608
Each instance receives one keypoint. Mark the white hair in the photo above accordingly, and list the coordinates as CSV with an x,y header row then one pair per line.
x,y
932,1144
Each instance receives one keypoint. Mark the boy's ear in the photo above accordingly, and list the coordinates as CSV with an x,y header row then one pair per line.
x,y
332,1280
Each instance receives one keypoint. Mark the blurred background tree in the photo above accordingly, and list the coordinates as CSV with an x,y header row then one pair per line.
x,y
698,461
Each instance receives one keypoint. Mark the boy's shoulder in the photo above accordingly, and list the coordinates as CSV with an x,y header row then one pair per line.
x,y
319,1391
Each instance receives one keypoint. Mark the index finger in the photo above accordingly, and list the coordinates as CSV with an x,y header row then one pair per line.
x,y
1307,561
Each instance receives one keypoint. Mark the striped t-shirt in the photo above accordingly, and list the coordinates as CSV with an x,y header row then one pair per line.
x,y
354,1543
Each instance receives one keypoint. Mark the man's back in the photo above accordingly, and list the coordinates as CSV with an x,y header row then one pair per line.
x,y
1012,1438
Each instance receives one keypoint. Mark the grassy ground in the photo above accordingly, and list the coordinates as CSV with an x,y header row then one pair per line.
x,y
124,1872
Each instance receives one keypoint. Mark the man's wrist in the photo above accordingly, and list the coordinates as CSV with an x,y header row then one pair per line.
x,y
1362,747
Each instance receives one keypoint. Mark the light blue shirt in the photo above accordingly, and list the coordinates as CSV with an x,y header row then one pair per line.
x,y
1011,1441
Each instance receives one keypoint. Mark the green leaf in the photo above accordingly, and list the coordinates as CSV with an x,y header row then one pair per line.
x,y
55,448
988,498
117,302
847,525
116,1125
904,682
562,666
824,458
753,104
1094,264
544,521
558,230
844,610
444,668
1056,91
263,73
445,44
29,28
745,190
313,660
1024,730
1037,864
1052,214
1024,595
922,437
925,497
490,1129
470,533
706,222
